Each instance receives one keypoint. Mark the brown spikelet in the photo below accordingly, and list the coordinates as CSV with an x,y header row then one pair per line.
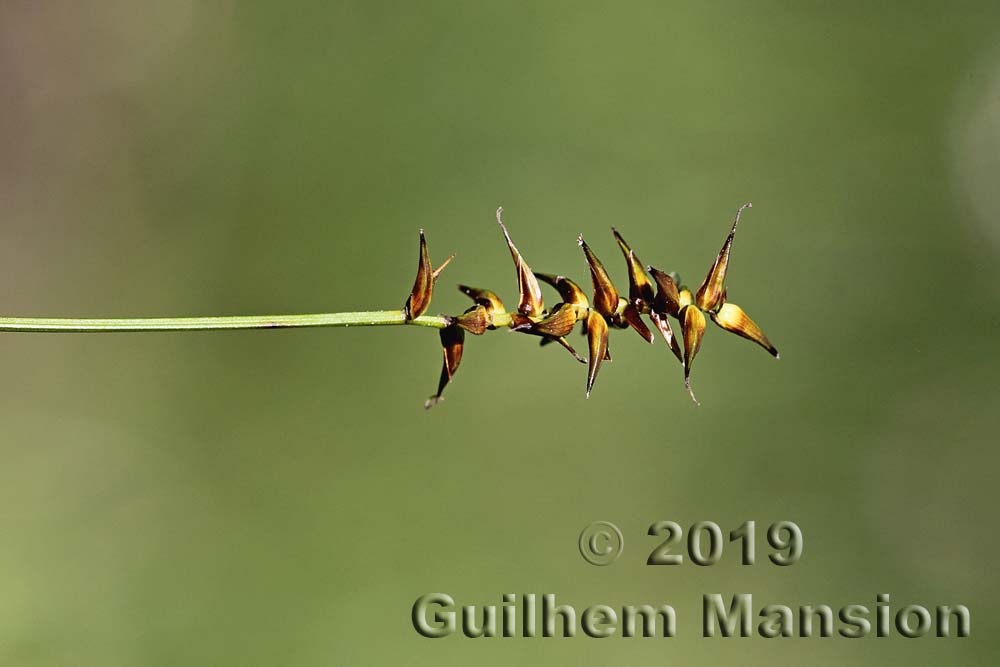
x,y
453,344
559,323
605,295
529,293
693,328
484,297
640,290
423,285
492,306
597,337
708,295
475,320
732,318
568,290
667,300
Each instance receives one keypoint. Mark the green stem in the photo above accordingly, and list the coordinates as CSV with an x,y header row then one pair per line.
x,y
372,318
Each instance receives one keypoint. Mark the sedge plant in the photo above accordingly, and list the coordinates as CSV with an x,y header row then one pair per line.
x,y
658,295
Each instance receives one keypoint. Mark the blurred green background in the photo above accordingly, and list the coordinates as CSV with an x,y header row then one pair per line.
x,y
283,498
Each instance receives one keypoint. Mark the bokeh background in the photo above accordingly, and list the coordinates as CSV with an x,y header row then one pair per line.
x,y
283,498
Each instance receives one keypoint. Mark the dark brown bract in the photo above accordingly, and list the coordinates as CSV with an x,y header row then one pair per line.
x,y
606,310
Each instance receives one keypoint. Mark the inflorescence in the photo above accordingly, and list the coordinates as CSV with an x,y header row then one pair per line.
x,y
606,310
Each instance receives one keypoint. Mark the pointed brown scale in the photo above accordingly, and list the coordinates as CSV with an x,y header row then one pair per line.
x,y
631,315
565,345
640,290
693,328
568,290
708,295
597,337
483,297
559,323
605,294
550,326
490,302
521,323
475,320
663,325
732,318
423,284
453,343
529,293
569,348
668,299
